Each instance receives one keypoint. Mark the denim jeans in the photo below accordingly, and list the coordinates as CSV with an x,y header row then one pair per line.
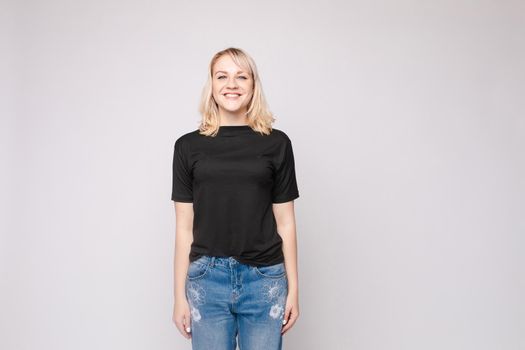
x,y
228,299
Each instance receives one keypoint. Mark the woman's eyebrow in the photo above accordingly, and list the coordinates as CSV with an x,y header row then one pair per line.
x,y
221,71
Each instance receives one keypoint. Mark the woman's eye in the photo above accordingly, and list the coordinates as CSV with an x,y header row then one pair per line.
x,y
223,76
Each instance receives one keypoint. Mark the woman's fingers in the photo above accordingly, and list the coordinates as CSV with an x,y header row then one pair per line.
x,y
290,316
183,325
187,325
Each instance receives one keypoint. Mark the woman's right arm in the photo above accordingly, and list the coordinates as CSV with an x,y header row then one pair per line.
x,y
183,240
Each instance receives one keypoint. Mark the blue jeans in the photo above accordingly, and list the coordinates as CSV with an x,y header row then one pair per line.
x,y
228,298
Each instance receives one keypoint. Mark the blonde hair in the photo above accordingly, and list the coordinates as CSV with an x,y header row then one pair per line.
x,y
259,116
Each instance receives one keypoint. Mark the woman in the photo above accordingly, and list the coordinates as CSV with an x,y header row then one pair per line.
x,y
233,187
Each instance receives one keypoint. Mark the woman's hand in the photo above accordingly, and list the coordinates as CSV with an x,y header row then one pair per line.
x,y
181,317
291,313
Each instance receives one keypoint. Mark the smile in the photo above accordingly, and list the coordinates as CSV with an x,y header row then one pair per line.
x,y
232,96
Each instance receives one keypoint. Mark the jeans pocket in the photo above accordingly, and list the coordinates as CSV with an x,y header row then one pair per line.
x,y
272,271
197,269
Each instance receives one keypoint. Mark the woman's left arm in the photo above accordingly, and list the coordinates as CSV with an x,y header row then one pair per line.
x,y
285,218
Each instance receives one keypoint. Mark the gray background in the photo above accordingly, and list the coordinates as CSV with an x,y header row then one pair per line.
x,y
407,121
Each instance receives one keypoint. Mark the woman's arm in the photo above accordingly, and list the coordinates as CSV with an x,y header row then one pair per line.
x,y
285,218
181,262
183,240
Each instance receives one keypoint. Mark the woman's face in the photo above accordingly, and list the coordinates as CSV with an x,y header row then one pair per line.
x,y
232,87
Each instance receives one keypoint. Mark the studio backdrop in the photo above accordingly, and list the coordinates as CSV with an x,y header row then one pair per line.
x,y
407,123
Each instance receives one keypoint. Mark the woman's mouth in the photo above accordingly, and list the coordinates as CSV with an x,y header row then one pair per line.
x,y
231,96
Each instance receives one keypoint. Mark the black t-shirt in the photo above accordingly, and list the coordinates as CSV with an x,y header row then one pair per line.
x,y
232,180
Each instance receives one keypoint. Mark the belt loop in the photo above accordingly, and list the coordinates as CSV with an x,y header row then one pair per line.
x,y
212,261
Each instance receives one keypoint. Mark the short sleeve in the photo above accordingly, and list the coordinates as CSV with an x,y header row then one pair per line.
x,y
182,182
285,184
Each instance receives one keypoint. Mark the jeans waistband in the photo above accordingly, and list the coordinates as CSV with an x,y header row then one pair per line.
x,y
219,260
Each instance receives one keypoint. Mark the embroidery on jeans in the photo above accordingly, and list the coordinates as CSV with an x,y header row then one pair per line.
x,y
275,292
196,296
272,290
277,310
195,314
196,293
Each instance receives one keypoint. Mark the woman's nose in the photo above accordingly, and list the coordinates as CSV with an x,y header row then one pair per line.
x,y
232,82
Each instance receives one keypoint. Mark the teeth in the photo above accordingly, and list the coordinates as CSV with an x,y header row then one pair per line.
x,y
232,95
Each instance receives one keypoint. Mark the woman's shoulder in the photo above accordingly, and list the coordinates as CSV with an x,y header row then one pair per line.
x,y
280,135
187,137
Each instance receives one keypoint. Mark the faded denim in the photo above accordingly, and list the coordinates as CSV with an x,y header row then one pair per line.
x,y
230,300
